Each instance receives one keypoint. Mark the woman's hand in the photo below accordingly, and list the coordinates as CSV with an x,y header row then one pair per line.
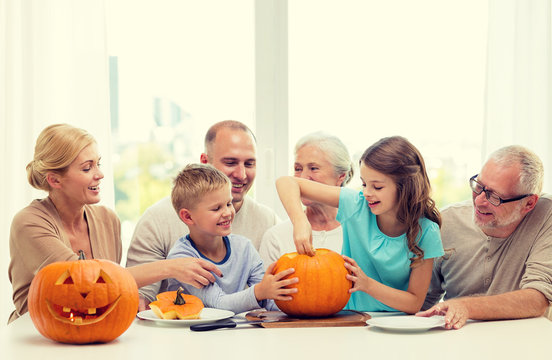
x,y
274,287
302,236
357,276
194,271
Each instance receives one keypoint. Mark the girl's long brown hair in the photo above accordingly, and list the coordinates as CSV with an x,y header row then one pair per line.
x,y
397,158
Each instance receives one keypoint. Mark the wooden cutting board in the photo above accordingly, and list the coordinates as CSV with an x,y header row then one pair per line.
x,y
342,318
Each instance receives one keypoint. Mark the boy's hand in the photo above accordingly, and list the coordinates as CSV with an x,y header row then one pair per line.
x,y
273,287
143,304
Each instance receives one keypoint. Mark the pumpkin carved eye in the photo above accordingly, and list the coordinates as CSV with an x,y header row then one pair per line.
x,y
103,278
65,278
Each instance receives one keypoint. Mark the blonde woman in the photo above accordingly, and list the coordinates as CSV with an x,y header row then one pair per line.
x,y
66,165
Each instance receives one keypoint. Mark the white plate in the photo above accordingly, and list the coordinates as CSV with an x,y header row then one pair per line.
x,y
207,315
407,323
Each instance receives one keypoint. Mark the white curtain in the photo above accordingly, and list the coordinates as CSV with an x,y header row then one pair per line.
x,y
53,69
519,79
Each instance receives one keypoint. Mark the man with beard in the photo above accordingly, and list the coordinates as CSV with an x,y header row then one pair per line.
x,y
230,147
498,247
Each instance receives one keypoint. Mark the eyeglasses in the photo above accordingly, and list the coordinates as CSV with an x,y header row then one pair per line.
x,y
491,196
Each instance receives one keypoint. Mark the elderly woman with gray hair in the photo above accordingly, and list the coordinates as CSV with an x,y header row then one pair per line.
x,y
323,158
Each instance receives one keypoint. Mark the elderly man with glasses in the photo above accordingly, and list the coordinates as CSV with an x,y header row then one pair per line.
x,y
498,247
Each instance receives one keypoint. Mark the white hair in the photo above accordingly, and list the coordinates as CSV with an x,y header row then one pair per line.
x,y
531,168
335,150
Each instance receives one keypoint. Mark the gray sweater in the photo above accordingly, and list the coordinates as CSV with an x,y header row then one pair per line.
x,y
482,265
242,268
160,227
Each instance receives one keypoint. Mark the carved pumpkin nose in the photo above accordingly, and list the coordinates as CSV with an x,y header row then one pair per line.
x,y
84,294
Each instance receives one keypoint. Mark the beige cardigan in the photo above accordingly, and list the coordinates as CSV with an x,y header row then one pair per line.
x,y
37,239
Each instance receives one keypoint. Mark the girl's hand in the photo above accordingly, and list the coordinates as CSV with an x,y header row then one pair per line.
x,y
357,276
194,271
273,287
302,236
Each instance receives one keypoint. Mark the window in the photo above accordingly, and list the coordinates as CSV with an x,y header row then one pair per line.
x,y
367,69
176,68
359,69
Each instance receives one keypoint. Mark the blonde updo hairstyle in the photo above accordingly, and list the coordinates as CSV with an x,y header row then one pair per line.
x,y
56,148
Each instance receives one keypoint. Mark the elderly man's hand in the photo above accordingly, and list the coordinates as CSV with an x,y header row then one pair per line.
x,y
455,311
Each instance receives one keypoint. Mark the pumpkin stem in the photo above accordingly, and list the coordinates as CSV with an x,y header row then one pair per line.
x,y
179,298
81,255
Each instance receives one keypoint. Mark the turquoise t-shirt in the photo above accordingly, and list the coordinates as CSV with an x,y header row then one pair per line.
x,y
383,258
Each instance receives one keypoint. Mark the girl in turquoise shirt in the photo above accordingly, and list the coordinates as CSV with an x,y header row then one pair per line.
x,y
390,229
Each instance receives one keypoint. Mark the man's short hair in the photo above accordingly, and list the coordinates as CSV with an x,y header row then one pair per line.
x,y
211,134
193,182
531,168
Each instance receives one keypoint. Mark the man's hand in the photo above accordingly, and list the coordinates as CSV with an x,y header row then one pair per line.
x,y
455,311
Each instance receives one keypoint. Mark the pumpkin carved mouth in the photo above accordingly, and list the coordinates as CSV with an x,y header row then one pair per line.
x,y
80,316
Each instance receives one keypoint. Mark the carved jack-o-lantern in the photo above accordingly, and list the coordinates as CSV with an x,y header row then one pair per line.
x,y
83,301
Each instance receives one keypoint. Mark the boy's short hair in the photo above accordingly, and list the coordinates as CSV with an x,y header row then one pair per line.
x,y
193,182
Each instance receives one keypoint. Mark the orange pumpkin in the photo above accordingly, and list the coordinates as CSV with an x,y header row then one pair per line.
x,y
83,301
174,304
323,288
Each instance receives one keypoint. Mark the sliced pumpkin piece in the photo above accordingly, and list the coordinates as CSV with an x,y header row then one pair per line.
x,y
176,305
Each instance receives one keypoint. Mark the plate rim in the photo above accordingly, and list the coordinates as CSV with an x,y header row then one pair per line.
x,y
149,315
376,321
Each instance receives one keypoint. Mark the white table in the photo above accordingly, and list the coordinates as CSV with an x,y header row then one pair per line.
x,y
514,339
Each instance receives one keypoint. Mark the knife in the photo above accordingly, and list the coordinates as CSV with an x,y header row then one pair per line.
x,y
228,324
